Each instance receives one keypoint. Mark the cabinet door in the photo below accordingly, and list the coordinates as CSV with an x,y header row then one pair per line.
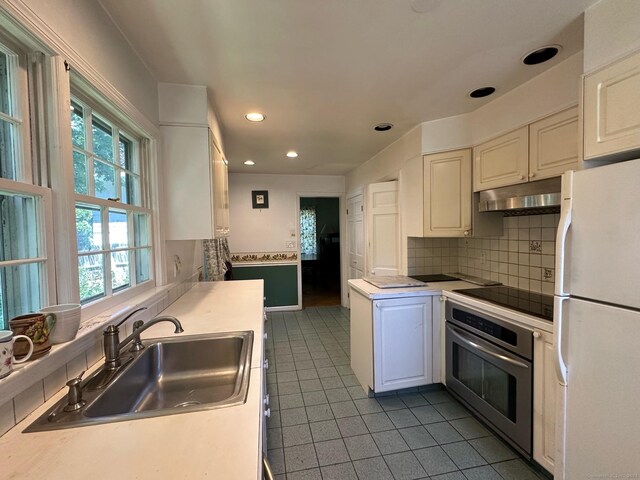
x,y
355,229
502,161
553,145
220,200
545,387
411,179
447,194
384,229
187,183
402,343
612,108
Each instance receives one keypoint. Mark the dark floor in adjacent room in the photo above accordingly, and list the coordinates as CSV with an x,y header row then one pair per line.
x,y
323,426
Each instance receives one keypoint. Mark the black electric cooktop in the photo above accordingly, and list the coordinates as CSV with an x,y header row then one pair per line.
x,y
536,304
437,277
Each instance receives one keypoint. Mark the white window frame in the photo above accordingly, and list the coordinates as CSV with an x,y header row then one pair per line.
x,y
105,114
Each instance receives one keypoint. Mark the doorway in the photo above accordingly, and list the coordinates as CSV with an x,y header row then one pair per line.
x,y
319,225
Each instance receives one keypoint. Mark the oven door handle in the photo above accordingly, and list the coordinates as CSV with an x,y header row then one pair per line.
x,y
468,340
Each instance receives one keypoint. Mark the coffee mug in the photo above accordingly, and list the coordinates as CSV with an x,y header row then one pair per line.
x,y
67,321
7,359
36,326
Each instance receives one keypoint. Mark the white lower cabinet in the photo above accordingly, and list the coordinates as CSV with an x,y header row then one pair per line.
x,y
544,400
402,343
392,342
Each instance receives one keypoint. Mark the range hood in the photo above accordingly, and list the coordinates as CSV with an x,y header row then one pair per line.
x,y
529,198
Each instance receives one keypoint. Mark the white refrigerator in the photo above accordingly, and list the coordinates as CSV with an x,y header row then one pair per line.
x,y
597,324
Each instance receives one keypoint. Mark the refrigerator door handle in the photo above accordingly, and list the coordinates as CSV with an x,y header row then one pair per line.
x,y
558,321
563,229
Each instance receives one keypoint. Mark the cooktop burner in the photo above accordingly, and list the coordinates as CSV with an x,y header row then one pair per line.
x,y
536,304
436,277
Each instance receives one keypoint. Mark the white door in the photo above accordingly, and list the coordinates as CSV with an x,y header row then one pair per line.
x,y
603,387
402,343
602,253
383,252
355,229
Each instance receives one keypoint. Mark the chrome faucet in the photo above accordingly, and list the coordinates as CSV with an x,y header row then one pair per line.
x,y
113,345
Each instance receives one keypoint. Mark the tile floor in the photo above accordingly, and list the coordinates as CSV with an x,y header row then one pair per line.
x,y
323,426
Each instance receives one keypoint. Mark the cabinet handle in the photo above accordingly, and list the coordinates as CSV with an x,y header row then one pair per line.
x,y
521,177
265,335
532,174
377,305
466,233
267,413
266,401
442,298
537,334
266,364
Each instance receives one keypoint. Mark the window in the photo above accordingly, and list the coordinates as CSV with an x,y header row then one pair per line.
x,y
112,223
24,208
308,244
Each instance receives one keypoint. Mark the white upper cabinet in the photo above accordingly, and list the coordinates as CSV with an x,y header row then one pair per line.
x,y
546,148
195,192
553,145
383,222
447,194
502,161
611,106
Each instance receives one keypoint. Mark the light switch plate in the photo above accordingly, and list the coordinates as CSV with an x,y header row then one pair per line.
x,y
290,244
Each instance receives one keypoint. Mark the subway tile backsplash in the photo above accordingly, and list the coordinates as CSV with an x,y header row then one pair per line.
x,y
523,257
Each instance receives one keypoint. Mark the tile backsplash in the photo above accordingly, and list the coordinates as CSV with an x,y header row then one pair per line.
x,y
523,257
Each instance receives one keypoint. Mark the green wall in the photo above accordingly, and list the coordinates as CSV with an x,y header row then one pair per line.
x,y
280,282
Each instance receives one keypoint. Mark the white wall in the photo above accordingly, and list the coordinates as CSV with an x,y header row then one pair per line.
x,y
265,230
86,27
611,29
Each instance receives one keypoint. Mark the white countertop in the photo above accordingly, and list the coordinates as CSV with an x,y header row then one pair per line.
x,y
447,289
222,443
433,288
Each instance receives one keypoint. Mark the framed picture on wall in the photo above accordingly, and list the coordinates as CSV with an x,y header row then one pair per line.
x,y
260,198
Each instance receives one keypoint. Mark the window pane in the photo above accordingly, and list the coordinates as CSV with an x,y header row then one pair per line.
x,y
91,273
118,229
140,230
88,228
77,125
102,140
18,231
130,189
119,270
143,265
104,180
8,138
80,173
5,84
19,291
125,154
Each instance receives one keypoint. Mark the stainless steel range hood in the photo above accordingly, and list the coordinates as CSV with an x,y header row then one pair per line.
x,y
529,198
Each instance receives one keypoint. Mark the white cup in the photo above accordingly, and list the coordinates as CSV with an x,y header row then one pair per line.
x,y
6,351
67,321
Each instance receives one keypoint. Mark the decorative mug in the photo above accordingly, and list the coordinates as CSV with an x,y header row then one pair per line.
x,y
7,339
36,326
67,321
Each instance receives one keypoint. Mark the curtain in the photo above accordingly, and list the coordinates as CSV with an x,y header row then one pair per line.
x,y
308,243
217,258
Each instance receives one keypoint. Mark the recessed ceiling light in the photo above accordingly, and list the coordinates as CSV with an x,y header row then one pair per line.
x,y
255,117
482,92
292,154
541,55
249,162
383,127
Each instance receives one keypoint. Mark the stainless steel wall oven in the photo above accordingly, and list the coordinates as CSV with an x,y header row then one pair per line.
x,y
489,368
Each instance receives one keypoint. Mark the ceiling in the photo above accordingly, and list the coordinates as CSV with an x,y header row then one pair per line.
x,y
324,72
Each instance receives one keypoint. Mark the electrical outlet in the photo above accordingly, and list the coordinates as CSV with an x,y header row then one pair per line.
x,y
290,244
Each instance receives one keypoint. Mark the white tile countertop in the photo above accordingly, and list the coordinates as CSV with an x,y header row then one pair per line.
x,y
224,443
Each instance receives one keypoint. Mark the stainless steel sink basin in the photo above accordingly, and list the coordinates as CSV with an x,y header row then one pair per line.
x,y
169,376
